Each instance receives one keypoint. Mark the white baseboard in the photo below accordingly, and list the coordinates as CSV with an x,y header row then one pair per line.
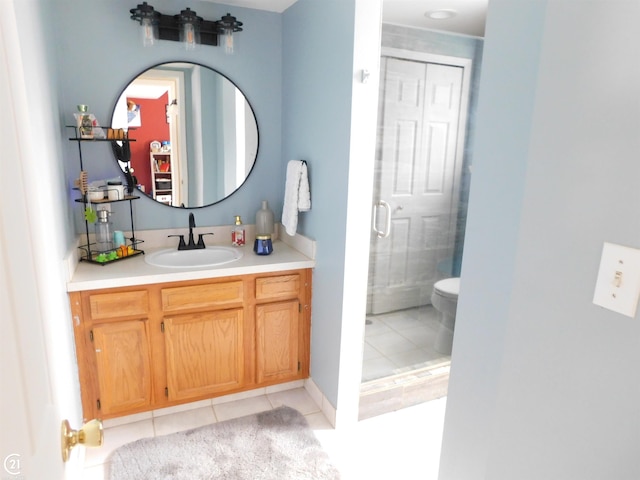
x,y
328,410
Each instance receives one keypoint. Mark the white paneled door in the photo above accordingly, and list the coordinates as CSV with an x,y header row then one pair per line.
x,y
418,167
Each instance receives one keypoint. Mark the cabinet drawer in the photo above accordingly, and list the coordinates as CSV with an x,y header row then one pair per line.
x,y
281,286
201,296
121,304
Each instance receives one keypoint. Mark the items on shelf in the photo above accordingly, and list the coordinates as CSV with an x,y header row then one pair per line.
x,y
87,124
105,247
161,172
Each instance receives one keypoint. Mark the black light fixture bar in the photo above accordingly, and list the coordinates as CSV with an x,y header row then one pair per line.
x,y
168,26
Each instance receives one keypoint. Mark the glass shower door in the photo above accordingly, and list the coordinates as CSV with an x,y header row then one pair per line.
x,y
415,204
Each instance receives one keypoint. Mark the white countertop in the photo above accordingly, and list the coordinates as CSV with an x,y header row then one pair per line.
x,y
135,271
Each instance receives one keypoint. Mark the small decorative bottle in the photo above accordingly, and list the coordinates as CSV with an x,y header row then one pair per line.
x,y
85,122
237,234
264,220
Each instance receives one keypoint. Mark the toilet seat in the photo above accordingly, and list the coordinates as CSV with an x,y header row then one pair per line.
x,y
449,287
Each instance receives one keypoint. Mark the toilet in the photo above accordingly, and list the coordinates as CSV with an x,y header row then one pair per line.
x,y
445,300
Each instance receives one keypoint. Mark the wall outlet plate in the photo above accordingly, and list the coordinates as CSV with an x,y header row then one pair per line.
x,y
618,283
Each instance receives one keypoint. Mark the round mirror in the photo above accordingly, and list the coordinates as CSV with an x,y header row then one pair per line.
x,y
196,136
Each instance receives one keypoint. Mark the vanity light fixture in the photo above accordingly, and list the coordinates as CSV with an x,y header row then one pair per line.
x,y
148,18
185,27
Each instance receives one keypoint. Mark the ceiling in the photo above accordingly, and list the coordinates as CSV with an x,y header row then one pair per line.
x,y
468,15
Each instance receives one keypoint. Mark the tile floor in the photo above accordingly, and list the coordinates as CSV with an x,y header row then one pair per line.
x,y
398,342
403,444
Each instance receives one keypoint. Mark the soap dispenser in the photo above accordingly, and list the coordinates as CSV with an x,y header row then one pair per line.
x,y
237,234
264,220
104,231
264,229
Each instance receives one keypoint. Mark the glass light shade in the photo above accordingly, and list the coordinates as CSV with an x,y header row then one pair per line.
x,y
189,35
228,41
148,32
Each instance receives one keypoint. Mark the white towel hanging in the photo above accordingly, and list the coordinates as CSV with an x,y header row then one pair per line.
x,y
297,195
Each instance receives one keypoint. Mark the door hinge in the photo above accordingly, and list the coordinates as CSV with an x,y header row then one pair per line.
x,y
299,366
162,327
98,404
91,335
166,391
300,307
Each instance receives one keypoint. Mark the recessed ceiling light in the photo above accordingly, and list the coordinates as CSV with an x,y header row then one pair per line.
x,y
441,14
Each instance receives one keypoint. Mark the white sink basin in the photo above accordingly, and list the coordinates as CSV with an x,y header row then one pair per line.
x,y
206,257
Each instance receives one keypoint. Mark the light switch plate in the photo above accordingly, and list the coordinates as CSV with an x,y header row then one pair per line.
x,y
618,283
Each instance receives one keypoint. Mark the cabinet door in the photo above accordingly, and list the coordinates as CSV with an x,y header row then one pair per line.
x,y
123,366
277,327
205,353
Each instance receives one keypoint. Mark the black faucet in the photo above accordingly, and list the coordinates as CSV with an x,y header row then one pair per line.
x,y
192,245
192,225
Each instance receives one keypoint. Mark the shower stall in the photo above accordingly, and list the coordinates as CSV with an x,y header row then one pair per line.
x,y
419,210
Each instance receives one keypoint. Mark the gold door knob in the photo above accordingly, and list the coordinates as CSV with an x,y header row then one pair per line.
x,y
90,435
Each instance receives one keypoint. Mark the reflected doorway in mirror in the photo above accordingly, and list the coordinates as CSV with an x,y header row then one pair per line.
x,y
213,137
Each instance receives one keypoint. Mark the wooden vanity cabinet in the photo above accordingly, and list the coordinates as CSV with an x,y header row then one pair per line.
x,y
204,338
281,335
114,352
152,346
123,365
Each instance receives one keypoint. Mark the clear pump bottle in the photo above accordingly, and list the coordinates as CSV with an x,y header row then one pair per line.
x,y
104,231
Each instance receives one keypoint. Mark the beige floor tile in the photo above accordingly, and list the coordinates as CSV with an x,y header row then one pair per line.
x,y
413,358
403,444
136,417
115,437
185,420
240,408
284,386
234,397
377,368
317,421
182,408
94,473
390,343
370,353
297,398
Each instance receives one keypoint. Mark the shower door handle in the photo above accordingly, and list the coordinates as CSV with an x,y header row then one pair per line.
x,y
387,230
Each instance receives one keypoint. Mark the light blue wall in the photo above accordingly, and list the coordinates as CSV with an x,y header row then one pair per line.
x,y
99,52
544,384
317,76
294,53
45,106
504,119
